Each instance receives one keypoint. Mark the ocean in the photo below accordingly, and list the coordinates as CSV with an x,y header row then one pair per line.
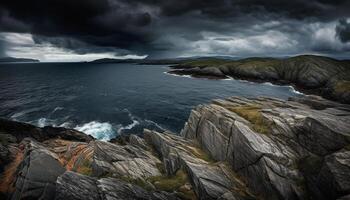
x,y
105,100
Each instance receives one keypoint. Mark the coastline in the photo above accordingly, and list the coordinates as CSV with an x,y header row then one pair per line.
x,y
200,163
295,88
300,89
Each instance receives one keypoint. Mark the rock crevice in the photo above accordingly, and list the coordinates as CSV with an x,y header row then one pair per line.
x,y
236,148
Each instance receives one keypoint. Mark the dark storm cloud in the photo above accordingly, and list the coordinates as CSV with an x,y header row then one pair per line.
x,y
343,30
169,26
2,49
96,22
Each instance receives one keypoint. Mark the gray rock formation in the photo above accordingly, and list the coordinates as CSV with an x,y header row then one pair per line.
x,y
37,173
316,74
22,130
210,180
123,161
74,186
265,140
237,148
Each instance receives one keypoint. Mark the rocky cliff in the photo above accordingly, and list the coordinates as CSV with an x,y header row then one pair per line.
x,y
235,148
313,74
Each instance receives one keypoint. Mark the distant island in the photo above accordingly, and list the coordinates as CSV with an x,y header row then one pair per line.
x,y
114,60
161,61
12,59
320,75
146,61
324,76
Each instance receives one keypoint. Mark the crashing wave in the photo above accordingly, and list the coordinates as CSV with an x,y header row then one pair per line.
x,y
134,123
128,127
42,122
291,88
101,131
269,84
295,91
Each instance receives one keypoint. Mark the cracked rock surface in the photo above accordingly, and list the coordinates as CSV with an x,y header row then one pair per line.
x,y
267,141
236,148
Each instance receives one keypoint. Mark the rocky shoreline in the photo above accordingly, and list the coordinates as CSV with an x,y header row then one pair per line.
x,y
236,148
319,75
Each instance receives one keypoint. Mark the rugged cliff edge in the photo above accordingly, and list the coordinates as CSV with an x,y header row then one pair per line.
x,y
235,148
327,77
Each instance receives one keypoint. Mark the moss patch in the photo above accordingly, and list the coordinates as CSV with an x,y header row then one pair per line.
x,y
85,168
342,86
5,139
252,113
169,183
187,194
139,182
175,183
199,153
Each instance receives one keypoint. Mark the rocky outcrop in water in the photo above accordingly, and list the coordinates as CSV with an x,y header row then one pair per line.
x,y
236,148
313,74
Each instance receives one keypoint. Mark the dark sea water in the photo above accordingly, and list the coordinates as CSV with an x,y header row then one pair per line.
x,y
105,100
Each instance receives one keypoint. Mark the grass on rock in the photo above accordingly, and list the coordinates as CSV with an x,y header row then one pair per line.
x,y
342,86
252,113
201,154
173,183
169,183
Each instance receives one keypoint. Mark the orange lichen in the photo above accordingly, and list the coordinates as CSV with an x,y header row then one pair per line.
x,y
77,158
8,177
72,155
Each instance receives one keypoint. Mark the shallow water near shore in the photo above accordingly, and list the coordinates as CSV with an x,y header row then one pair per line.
x,y
105,100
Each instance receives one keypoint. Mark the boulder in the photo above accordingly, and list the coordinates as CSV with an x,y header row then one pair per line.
x,y
37,173
22,130
210,180
124,161
265,139
74,186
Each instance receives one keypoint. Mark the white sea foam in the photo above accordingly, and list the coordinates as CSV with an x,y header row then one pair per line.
x,y
171,74
16,115
294,90
129,126
244,81
42,122
65,124
23,113
291,88
154,123
101,131
228,78
134,123
57,109
269,84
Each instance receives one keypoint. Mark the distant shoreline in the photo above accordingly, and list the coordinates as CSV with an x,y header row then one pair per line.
x,y
318,75
18,60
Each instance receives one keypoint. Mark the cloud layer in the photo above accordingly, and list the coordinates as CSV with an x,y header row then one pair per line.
x,y
169,28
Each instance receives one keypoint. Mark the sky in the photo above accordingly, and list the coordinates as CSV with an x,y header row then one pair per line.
x,y
84,30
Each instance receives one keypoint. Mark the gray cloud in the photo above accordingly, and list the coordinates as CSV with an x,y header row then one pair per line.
x,y
343,30
169,28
